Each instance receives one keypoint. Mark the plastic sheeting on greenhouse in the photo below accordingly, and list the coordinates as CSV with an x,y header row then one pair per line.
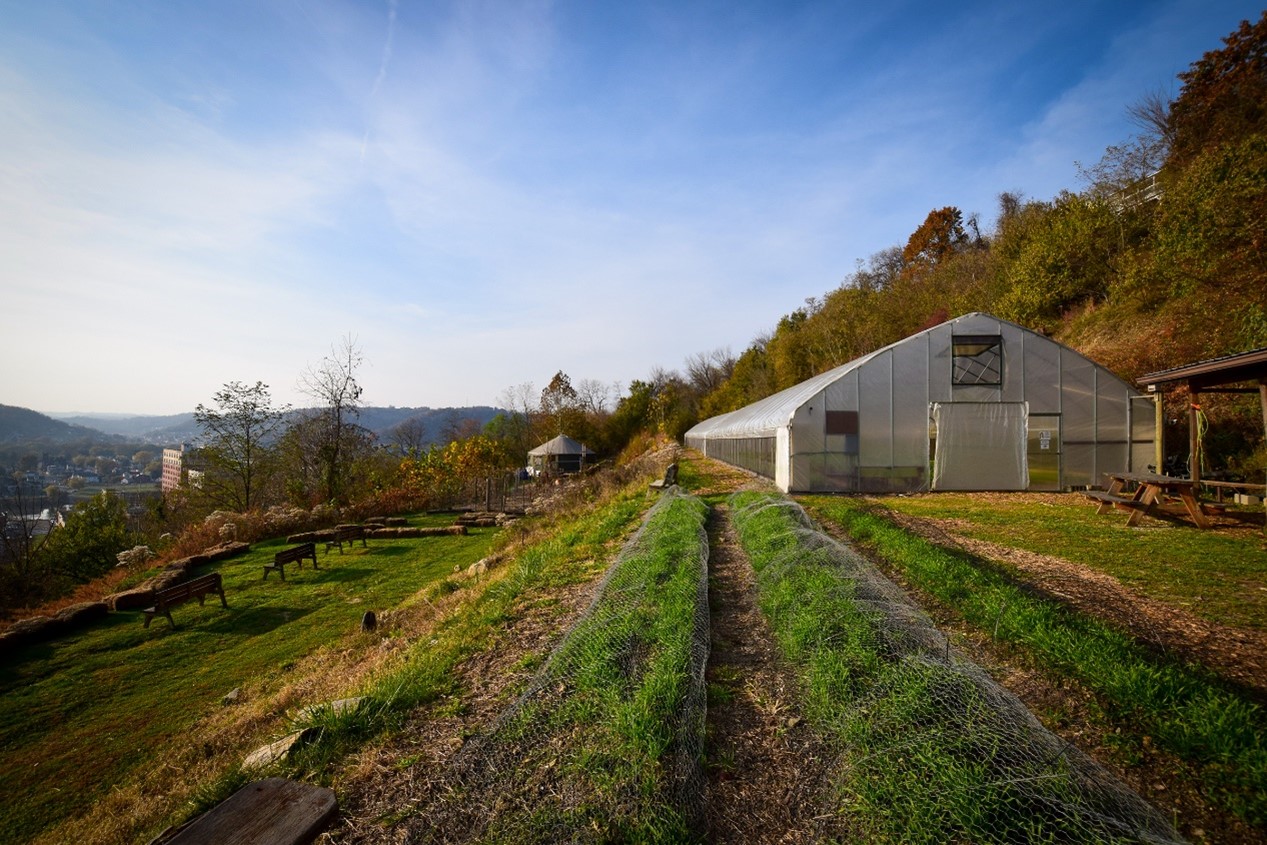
x,y
869,425
980,446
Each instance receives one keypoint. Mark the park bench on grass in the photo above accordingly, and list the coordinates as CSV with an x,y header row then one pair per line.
x,y
197,588
295,555
670,478
346,534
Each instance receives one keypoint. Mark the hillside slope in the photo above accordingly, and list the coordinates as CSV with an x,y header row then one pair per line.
x,y
18,424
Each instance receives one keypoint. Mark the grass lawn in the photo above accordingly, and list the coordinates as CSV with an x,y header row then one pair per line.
x,y
81,713
1218,575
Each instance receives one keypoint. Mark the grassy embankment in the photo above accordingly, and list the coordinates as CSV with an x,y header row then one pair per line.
x,y
437,621
1184,709
83,715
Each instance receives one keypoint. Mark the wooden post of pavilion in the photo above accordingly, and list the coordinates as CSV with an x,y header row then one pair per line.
x,y
1194,435
1262,397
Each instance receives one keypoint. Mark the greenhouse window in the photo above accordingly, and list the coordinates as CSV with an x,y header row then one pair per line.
x,y
978,359
844,423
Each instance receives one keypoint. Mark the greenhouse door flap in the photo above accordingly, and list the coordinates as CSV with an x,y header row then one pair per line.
x,y
980,446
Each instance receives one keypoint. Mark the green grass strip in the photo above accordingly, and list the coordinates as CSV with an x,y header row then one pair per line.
x,y
1183,708
625,733
931,750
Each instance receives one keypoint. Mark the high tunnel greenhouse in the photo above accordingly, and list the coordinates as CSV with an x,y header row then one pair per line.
x,y
976,403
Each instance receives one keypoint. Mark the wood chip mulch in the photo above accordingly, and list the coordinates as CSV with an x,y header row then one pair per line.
x,y
1238,654
765,768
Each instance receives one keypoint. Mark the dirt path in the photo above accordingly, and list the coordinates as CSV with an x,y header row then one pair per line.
x,y
764,766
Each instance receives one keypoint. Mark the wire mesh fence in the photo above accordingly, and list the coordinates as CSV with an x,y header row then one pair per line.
x,y
928,747
606,741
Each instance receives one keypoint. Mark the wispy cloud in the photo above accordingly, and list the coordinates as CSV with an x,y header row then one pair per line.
x,y
384,62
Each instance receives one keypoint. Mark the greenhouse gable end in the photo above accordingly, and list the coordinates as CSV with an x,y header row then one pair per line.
x,y
976,403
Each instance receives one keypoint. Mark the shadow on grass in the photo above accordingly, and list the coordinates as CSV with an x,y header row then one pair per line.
x,y
390,551
345,574
46,650
252,621
10,663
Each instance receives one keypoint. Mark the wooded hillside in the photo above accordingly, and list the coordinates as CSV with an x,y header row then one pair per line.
x,y
1157,262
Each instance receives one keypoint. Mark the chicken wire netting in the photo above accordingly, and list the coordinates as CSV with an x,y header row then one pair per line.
x,y
927,746
605,744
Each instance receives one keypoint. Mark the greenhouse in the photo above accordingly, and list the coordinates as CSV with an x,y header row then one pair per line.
x,y
976,403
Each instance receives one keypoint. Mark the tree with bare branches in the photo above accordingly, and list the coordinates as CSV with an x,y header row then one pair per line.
x,y
331,428
410,437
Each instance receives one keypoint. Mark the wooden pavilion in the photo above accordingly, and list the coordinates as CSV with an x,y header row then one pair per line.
x,y
1245,372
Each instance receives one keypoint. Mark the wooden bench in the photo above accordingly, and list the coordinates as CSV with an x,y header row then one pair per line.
x,y
347,534
196,588
272,811
1108,500
670,478
295,555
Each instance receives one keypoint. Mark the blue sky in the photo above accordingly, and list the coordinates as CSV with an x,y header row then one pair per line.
x,y
482,193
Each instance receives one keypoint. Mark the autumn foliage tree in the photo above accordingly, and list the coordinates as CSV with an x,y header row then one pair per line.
x,y
1224,95
560,406
940,236
444,475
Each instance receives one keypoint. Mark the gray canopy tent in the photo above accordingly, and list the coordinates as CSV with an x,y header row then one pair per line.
x,y
976,403
561,455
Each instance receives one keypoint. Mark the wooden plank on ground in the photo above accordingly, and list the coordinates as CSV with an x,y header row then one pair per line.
x,y
275,811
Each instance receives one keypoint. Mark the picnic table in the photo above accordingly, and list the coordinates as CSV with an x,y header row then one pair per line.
x,y
1148,491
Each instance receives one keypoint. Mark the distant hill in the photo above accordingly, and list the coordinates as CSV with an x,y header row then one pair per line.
x,y
436,422
170,428
181,428
19,424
